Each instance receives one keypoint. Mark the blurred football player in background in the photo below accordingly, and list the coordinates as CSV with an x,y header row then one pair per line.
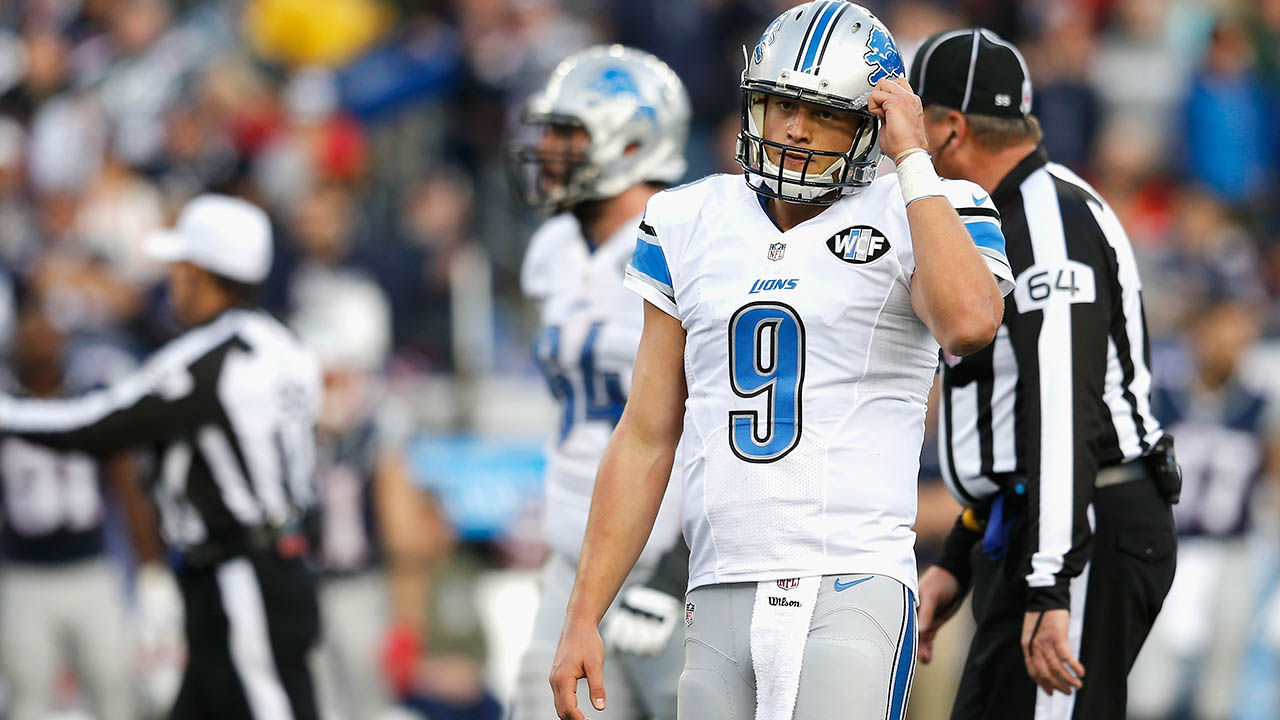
x,y
611,126
61,597
1227,434
377,532
791,334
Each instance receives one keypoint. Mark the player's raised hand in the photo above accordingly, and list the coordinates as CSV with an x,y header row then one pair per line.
x,y
902,114
579,655
940,597
1047,653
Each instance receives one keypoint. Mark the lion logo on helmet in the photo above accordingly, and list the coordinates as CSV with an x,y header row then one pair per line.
x,y
883,56
615,83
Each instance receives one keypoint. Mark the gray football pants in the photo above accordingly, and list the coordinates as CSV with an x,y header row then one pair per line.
x,y
354,616
637,687
858,659
53,615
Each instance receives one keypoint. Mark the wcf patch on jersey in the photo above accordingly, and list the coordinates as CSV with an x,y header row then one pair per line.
x,y
859,245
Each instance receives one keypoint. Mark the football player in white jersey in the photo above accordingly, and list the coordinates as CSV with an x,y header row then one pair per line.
x,y
791,335
611,126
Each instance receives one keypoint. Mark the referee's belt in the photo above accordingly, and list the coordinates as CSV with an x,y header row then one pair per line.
x,y
1010,505
285,542
1124,472
1118,474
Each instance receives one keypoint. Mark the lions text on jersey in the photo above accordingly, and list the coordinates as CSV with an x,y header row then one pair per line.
x,y
590,331
801,442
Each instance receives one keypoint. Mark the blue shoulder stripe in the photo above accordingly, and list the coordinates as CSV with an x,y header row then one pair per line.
x,y
987,235
649,260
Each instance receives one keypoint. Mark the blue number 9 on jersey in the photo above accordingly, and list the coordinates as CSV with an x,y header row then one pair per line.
x,y
766,355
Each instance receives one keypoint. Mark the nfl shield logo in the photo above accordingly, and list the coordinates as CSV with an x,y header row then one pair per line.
x,y
776,250
688,613
788,584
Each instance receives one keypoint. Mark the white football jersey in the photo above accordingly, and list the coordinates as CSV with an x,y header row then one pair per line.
x,y
590,331
808,372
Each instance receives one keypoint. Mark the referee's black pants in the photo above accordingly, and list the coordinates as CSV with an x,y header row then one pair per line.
x,y
251,622
1125,583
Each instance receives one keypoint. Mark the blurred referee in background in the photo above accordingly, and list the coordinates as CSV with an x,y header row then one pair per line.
x,y
1047,434
231,407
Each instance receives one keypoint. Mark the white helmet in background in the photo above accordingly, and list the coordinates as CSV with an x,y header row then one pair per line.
x,y
635,112
345,319
827,52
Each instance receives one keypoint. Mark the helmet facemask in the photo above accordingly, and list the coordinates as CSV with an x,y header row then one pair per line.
x,y
544,177
852,169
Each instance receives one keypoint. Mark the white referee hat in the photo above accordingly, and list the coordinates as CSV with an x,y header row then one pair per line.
x,y
227,236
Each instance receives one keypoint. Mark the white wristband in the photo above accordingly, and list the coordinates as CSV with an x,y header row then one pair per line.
x,y
917,178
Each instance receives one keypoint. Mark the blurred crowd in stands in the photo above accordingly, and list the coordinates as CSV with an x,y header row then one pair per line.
x,y
373,132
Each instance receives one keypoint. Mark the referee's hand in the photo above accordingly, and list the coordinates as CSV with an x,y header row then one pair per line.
x,y
1050,662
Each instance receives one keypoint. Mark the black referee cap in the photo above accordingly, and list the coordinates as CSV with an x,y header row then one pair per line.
x,y
974,71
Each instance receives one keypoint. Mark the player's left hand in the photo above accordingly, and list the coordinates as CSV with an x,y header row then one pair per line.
x,y
580,655
1048,656
902,114
643,622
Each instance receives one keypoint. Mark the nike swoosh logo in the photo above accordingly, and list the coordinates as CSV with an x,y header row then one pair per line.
x,y
979,200
841,587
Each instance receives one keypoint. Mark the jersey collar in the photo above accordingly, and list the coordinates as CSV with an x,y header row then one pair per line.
x,y
1008,188
764,208
821,217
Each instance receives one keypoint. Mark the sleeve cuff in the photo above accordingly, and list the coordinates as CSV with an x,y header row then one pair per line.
x,y
649,289
1000,268
1052,597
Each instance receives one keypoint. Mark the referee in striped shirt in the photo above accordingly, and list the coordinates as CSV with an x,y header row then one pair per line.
x,y
1047,434
230,406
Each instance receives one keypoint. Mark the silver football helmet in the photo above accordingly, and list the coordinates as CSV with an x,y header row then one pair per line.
x,y
635,112
827,52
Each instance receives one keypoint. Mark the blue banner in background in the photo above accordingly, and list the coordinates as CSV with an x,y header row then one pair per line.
x,y
484,484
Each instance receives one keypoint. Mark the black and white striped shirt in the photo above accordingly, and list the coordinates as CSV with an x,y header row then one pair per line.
x,y
231,407
1064,389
